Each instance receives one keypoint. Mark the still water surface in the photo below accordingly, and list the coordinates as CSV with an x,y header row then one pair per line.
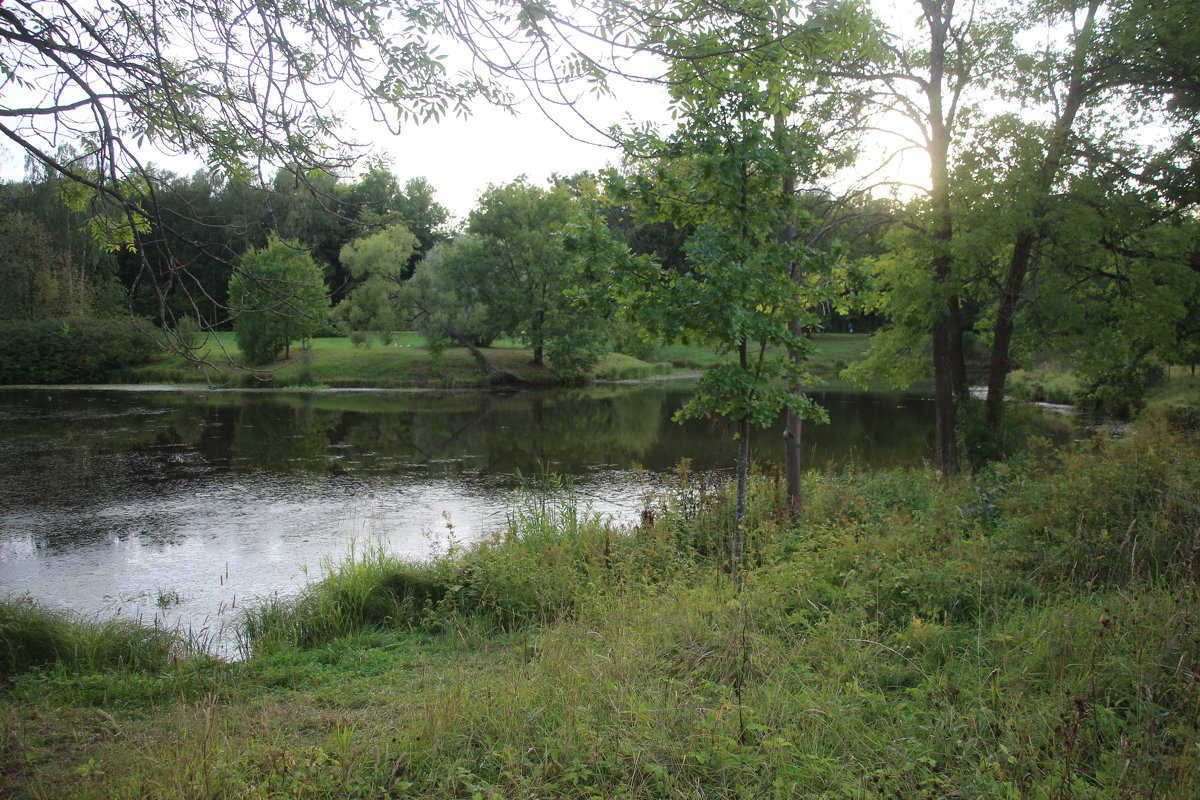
x,y
126,501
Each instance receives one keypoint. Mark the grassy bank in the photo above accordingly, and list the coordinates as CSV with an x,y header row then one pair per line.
x,y
1033,631
1178,390
407,362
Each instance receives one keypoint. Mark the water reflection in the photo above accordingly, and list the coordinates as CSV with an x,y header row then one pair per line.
x,y
107,495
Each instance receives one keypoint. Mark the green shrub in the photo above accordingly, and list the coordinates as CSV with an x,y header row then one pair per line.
x,y
72,350
984,443
1120,509
1120,390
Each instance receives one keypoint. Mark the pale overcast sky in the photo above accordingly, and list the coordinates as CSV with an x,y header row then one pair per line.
x,y
461,157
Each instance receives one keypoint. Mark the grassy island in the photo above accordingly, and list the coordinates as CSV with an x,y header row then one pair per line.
x,y
406,361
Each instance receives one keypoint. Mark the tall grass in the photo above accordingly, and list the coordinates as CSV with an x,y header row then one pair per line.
x,y
367,588
32,635
551,555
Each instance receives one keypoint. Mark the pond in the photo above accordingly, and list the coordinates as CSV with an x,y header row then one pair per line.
x,y
178,506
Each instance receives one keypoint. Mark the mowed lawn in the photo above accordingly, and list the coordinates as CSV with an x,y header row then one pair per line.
x,y
406,361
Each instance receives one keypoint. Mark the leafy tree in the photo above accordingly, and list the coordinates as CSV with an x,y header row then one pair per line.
x,y
515,263
727,177
424,216
384,301
1008,186
450,300
310,207
278,296
377,263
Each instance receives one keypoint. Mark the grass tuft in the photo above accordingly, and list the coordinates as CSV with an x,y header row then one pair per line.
x,y
32,635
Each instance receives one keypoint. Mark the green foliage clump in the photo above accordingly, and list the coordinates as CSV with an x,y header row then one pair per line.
x,y
277,296
1118,390
71,350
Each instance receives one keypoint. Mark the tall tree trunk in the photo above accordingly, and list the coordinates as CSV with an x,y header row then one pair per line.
x,y
1019,263
949,376
793,463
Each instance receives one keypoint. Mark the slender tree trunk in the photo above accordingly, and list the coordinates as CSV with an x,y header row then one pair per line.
x,y
945,433
793,457
538,341
738,544
793,461
958,362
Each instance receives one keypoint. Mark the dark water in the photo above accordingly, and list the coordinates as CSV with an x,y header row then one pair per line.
x,y
129,500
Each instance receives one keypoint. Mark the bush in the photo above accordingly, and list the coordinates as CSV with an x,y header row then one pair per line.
x,y
278,296
72,350
984,444
1120,390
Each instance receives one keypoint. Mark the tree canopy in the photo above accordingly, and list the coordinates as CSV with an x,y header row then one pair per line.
x,y
278,296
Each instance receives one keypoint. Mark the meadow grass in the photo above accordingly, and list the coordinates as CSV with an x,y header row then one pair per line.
x,y
404,361
1031,631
